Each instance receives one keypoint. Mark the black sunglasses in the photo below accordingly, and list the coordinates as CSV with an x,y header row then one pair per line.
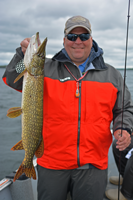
x,y
73,37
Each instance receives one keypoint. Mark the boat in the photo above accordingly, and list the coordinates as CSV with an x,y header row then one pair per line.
x,y
26,189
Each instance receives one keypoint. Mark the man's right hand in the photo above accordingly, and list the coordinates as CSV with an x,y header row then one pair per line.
x,y
24,44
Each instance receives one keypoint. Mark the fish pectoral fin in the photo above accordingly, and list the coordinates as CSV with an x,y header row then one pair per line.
x,y
20,75
18,146
14,112
40,149
29,172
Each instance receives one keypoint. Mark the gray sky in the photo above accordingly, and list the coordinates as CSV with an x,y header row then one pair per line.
x,y
21,19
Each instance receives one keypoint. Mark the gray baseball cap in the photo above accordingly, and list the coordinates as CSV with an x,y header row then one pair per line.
x,y
77,21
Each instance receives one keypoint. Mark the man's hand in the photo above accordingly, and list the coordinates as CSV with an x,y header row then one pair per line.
x,y
24,44
122,141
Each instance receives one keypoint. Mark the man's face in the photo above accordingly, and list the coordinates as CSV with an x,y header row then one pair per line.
x,y
78,50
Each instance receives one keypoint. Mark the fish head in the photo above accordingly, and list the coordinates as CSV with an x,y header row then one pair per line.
x,y
37,63
34,57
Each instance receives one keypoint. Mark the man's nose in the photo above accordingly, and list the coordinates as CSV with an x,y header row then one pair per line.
x,y
78,40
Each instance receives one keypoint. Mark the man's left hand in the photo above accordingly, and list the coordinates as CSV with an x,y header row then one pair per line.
x,y
123,141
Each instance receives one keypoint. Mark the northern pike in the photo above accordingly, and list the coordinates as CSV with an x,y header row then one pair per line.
x,y
31,106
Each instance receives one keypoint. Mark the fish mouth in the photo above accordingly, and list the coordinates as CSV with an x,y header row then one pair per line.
x,y
36,67
38,42
41,49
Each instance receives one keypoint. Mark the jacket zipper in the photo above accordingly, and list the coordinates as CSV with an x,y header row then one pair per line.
x,y
78,95
79,116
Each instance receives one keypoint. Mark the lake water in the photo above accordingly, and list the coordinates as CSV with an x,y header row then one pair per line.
x,y
10,129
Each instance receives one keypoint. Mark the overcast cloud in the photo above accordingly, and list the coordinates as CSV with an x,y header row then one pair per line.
x,y
21,19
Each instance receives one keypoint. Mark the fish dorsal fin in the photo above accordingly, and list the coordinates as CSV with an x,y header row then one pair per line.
x,y
18,146
40,149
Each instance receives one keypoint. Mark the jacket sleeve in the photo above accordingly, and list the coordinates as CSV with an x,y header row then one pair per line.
x,y
12,71
127,109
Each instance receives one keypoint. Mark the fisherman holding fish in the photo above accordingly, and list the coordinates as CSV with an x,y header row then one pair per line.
x,y
82,95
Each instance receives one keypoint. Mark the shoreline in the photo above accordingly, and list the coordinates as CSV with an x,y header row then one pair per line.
x,y
4,66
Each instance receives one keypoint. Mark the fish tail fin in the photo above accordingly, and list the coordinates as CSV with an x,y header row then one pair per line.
x,y
40,149
20,75
18,146
29,172
14,112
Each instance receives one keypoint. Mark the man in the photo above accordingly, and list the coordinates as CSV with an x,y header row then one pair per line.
x,y
82,95
124,163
